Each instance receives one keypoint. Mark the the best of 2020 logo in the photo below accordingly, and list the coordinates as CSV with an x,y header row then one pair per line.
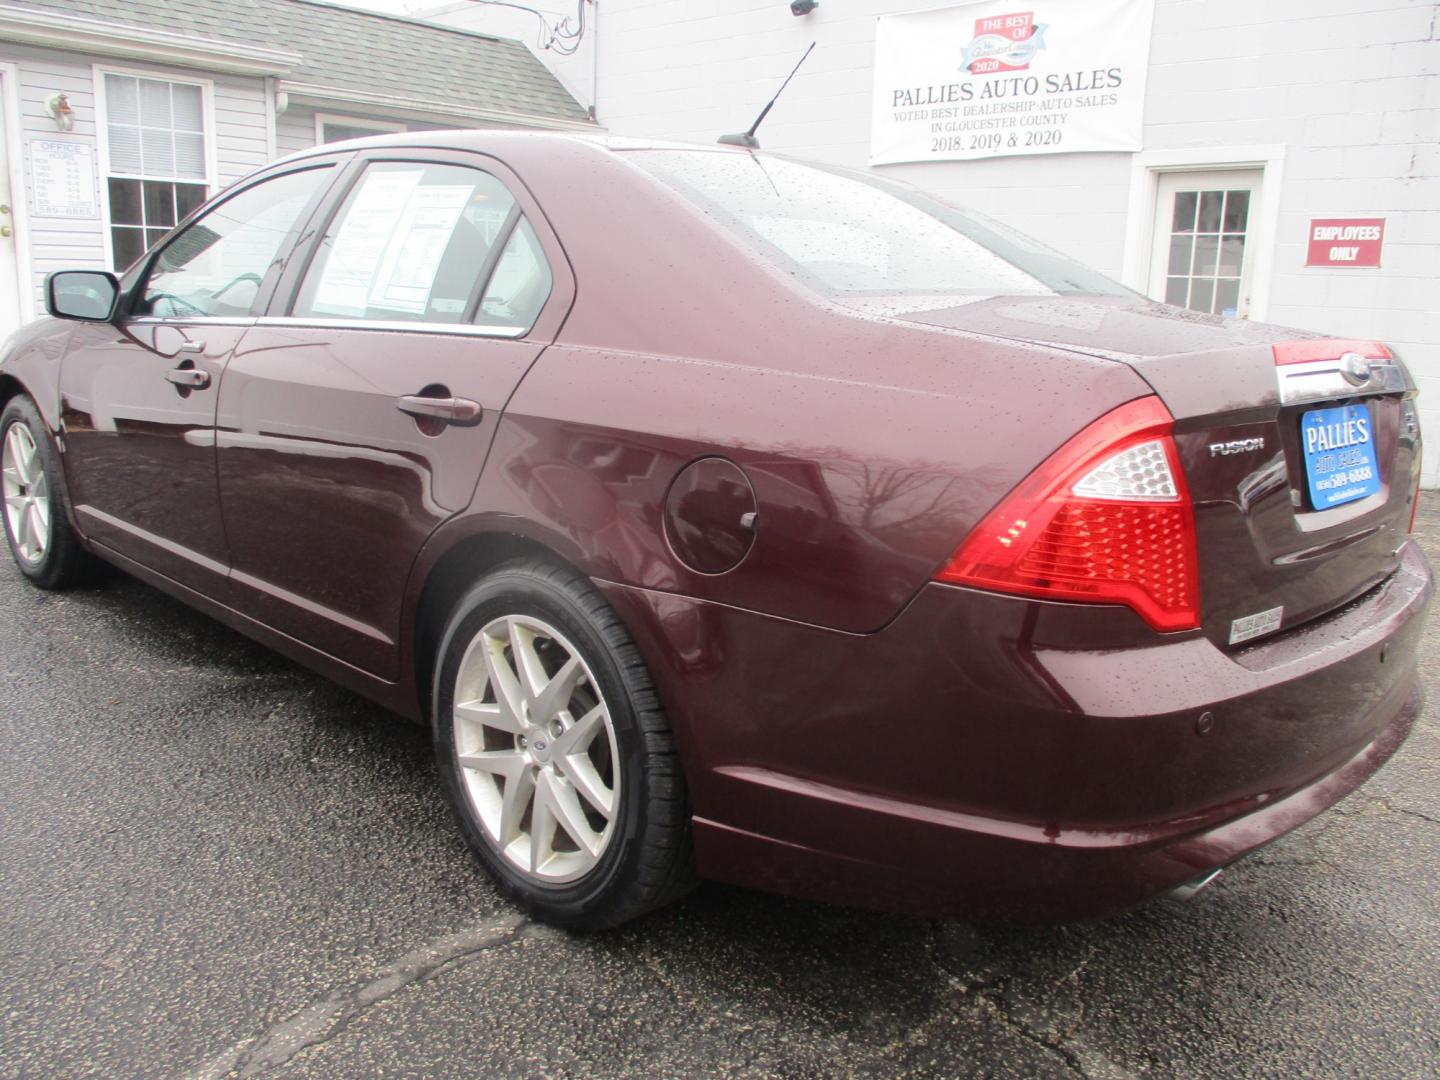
x,y
1003,43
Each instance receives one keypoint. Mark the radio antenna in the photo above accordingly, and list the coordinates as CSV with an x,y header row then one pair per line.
x,y
747,139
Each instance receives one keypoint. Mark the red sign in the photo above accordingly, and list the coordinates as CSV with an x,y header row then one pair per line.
x,y
1004,43
1348,242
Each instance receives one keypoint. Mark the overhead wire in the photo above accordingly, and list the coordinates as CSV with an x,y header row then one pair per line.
x,y
563,37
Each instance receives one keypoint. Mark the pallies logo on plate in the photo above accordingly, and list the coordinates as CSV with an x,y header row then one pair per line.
x,y
1003,43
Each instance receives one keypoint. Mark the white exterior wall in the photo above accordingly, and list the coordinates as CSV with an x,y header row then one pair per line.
x,y
1348,92
237,139
55,243
294,131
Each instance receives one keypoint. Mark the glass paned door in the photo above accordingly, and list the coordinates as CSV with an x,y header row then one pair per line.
x,y
1204,240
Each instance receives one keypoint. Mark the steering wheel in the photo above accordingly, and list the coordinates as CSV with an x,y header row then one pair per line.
x,y
248,276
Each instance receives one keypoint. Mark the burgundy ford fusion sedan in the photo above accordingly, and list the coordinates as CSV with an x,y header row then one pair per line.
x,y
733,517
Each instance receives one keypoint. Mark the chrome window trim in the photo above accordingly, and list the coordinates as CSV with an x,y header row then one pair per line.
x,y
462,329
193,320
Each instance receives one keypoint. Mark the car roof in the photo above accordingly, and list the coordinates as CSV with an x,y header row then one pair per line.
x,y
493,139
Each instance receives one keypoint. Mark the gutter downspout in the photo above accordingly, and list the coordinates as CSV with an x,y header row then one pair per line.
x,y
595,62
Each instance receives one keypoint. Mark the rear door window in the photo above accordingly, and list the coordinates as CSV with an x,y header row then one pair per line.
x,y
412,242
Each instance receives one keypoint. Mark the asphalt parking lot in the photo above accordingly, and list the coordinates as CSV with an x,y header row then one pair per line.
x,y
214,863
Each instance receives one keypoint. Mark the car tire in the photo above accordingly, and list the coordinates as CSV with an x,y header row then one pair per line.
x,y
42,541
557,759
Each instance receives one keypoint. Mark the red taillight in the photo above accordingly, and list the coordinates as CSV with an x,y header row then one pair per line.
x,y
1105,519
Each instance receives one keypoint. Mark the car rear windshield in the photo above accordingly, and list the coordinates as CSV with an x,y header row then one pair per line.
x,y
846,233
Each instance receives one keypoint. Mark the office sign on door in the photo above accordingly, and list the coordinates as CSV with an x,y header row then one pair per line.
x,y
1005,77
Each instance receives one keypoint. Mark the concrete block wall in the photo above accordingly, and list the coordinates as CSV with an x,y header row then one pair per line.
x,y
1350,90
1352,96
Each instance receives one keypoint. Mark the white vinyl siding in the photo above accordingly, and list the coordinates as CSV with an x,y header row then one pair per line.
x,y
239,107
294,130
55,243
237,137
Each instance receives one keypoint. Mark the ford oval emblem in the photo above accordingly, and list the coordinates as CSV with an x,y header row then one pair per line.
x,y
1355,368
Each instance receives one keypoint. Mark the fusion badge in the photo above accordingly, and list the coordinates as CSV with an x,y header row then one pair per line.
x,y
1237,446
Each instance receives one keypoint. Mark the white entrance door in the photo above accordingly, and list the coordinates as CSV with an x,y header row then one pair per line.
x,y
9,264
1204,240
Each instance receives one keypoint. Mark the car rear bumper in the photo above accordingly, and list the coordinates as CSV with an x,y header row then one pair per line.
x,y
994,758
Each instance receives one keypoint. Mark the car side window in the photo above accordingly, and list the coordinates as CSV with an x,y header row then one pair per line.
x,y
411,243
521,283
217,265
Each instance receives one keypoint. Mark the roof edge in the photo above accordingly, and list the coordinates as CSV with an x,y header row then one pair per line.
x,y
81,33
409,20
290,92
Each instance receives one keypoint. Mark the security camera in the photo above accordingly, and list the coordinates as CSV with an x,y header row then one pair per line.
x,y
803,7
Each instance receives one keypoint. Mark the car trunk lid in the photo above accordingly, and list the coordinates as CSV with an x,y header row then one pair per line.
x,y
1273,436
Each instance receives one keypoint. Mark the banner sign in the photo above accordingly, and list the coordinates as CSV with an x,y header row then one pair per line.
x,y
1347,242
1004,77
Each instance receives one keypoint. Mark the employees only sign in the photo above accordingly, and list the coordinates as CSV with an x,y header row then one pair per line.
x,y
1352,243
992,79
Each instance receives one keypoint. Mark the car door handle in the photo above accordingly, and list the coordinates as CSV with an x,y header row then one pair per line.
x,y
452,410
191,346
196,380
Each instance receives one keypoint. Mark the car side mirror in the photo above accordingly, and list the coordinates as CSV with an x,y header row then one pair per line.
x,y
87,295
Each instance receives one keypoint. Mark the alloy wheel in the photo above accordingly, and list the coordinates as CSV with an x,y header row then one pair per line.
x,y
536,748
27,494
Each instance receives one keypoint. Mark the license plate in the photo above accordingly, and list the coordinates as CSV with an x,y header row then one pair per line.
x,y
1339,447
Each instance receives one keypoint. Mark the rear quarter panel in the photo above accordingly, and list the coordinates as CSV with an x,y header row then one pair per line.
x,y
865,481
872,445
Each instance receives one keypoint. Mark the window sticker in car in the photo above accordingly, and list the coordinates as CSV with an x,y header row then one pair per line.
x,y
409,245
412,257
360,244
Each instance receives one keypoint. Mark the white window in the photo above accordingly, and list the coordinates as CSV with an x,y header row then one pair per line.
x,y
330,129
157,158
1204,240
1201,227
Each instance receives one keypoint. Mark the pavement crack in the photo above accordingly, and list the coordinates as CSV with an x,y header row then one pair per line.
x,y
999,1006
329,1015
1090,951
1407,811
991,994
1417,813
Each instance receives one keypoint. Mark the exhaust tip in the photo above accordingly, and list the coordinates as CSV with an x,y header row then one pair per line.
x,y
1184,893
